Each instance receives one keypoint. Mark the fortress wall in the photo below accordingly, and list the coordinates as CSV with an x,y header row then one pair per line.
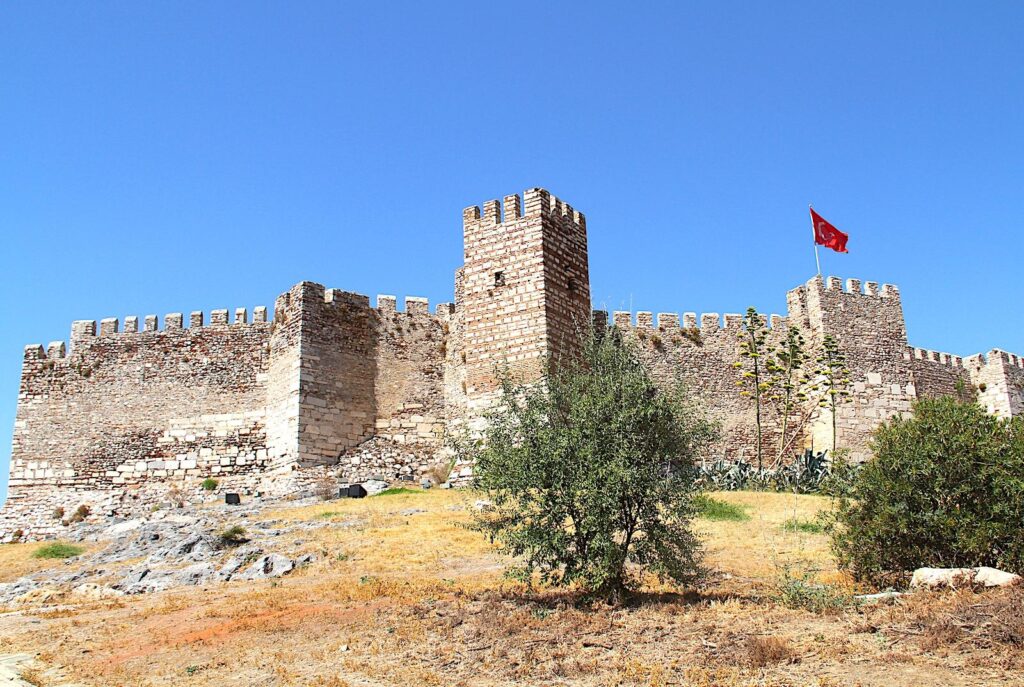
x,y
700,353
410,356
453,324
566,273
125,407
939,374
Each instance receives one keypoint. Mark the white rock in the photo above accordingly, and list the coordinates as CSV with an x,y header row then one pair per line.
x,y
121,528
934,578
483,504
95,592
990,577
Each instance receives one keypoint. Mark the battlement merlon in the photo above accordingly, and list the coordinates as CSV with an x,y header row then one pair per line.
x,y
535,202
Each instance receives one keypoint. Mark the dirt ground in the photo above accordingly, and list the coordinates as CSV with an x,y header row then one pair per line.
x,y
403,594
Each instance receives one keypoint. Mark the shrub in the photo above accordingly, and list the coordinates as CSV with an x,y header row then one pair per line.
x,y
713,509
58,550
81,513
591,472
762,651
803,593
841,475
945,489
209,484
233,536
58,513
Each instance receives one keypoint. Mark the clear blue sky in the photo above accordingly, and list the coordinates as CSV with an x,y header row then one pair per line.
x,y
162,157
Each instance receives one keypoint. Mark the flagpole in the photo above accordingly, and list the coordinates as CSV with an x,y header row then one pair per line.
x,y
814,240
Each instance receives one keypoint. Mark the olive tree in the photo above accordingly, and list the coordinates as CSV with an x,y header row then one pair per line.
x,y
590,471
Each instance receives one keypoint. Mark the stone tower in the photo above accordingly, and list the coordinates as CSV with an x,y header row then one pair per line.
x,y
525,287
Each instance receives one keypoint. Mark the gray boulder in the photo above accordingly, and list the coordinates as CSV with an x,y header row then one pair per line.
x,y
271,565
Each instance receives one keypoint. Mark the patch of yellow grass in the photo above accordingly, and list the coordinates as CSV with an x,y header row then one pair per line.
x,y
759,547
371,536
16,559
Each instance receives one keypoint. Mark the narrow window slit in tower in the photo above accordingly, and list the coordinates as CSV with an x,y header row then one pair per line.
x,y
499,278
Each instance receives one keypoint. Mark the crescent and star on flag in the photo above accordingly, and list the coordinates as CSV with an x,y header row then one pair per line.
x,y
826,234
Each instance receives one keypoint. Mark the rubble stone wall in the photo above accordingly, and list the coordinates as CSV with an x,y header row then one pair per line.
x,y
125,407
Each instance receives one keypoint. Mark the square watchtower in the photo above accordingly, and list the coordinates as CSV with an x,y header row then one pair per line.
x,y
526,287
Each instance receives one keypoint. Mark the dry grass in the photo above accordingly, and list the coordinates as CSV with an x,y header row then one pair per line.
x,y
763,651
418,599
17,560
758,548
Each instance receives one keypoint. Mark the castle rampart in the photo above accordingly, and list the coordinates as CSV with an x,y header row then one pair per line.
x,y
123,416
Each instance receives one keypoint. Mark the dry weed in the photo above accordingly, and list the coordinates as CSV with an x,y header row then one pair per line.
x,y
764,651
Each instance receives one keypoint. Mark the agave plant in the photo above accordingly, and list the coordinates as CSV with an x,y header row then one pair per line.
x,y
805,474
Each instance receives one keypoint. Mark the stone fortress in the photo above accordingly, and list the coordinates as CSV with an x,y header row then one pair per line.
x,y
128,416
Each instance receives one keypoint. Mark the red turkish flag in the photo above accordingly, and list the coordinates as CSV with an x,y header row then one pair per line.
x,y
827,235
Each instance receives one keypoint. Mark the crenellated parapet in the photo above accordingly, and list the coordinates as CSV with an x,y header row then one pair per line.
x,y
535,202
708,323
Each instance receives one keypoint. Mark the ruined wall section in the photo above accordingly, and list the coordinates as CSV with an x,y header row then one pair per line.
x,y
867,321
126,407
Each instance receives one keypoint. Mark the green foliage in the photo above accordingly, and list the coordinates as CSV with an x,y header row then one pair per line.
x,y
713,509
841,476
805,526
807,473
802,592
590,472
395,491
945,489
233,536
58,550
209,484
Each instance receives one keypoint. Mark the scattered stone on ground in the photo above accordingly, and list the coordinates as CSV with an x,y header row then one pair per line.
x,y
170,549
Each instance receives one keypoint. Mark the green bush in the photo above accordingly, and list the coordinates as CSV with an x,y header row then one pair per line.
x,y
209,484
945,489
591,472
58,550
233,536
713,509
